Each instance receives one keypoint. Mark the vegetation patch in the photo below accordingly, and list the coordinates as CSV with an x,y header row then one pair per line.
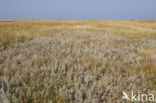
x,y
75,61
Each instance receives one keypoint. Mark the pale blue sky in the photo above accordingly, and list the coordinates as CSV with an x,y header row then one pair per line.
x,y
77,9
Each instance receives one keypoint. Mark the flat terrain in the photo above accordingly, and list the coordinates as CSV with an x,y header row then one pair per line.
x,y
76,61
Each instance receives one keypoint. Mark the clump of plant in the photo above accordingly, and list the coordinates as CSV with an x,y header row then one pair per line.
x,y
62,69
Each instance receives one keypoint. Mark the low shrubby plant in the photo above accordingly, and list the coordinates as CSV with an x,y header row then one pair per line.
x,y
72,67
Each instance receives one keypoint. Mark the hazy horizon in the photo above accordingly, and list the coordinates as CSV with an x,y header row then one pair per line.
x,y
56,9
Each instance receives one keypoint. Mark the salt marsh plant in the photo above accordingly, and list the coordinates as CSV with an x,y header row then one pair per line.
x,y
74,66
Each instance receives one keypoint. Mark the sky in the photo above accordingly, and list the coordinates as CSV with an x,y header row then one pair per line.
x,y
78,9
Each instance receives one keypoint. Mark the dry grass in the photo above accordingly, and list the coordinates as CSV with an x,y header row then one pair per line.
x,y
42,27
78,61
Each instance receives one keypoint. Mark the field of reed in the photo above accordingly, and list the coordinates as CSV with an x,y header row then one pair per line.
x,y
76,61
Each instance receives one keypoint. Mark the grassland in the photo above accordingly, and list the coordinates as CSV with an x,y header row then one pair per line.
x,y
80,61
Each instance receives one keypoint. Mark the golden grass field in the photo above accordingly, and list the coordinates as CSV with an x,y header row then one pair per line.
x,y
72,61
